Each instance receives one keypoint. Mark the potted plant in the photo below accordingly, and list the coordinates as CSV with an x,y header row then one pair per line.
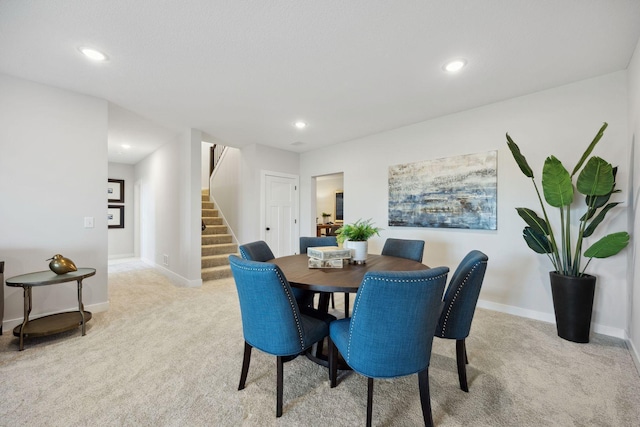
x,y
572,289
325,217
354,236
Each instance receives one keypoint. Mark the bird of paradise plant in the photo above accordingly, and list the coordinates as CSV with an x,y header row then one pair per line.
x,y
597,182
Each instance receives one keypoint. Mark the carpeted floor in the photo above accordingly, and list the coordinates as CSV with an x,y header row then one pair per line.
x,y
169,356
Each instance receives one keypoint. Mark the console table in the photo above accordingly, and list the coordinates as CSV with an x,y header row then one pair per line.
x,y
54,323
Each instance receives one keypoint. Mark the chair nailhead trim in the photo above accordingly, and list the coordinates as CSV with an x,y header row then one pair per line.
x,y
293,310
455,296
363,287
289,298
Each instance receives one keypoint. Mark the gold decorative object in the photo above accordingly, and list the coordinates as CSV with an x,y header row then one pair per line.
x,y
61,265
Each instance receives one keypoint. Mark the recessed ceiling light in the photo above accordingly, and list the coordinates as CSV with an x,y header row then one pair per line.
x,y
300,124
455,65
93,54
126,146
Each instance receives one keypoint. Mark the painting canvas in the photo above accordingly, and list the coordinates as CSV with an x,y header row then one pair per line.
x,y
454,192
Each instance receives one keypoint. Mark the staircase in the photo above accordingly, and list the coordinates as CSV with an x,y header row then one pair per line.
x,y
216,243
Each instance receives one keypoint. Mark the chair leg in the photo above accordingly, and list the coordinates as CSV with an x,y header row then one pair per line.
x,y
369,401
245,365
346,304
333,363
461,358
425,397
279,369
333,301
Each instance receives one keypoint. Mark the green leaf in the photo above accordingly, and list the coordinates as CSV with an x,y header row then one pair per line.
x,y
598,219
520,159
609,245
590,148
596,202
596,179
536,241
556,183
533,220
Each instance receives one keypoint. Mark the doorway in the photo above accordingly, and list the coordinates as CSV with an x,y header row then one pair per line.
x,y
329,201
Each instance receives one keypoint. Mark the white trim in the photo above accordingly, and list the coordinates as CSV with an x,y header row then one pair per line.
x,y
121,256
176,279
548,318
634,354
517,311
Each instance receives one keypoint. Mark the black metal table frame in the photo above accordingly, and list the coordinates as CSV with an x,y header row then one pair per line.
x,y
19,281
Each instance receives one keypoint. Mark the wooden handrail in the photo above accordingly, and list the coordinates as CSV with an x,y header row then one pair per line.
x,y
214,156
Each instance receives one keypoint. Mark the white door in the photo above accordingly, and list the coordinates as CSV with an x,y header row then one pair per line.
x,y
281,213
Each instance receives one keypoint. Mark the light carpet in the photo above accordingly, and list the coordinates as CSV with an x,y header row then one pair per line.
x,y
170,356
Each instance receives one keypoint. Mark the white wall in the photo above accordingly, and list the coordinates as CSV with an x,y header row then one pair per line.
x,y
169,186
254,159
204,171
121,240
634,196
225,187
53,173
561,121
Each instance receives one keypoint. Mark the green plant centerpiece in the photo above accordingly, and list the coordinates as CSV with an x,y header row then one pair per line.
x,y
354,236
571,287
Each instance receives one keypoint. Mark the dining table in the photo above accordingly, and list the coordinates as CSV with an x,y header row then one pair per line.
x,y
346,279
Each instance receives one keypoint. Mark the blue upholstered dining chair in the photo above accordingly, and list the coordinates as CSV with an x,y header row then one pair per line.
x,y
404,248
277,327
261,252
459,306
390,331
314,242
256,251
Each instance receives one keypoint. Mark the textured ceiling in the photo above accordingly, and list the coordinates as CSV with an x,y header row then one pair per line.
x,y
244,71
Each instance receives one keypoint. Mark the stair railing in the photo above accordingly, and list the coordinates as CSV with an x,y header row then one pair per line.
x,y
214,156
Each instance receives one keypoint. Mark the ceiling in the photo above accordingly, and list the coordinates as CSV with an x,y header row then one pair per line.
x,y
243,71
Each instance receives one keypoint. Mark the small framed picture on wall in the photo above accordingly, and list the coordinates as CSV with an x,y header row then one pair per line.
x,y
115,216
115,190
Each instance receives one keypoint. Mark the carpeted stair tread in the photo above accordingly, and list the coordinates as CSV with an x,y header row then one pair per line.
x,y
212,220
217,243
214,261
209,212
214,273
214,229
220,249
216,239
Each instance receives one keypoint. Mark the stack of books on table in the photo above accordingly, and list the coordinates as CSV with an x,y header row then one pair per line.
x,y
328,256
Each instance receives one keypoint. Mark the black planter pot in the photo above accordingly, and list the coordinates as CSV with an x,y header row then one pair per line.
x,y
573,305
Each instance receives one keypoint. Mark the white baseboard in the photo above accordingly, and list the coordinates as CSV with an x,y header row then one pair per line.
x,y
548,318
517,311
120,256
176,279
634,354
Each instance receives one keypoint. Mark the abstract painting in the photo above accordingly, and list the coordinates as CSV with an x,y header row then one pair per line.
x,y
454,192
